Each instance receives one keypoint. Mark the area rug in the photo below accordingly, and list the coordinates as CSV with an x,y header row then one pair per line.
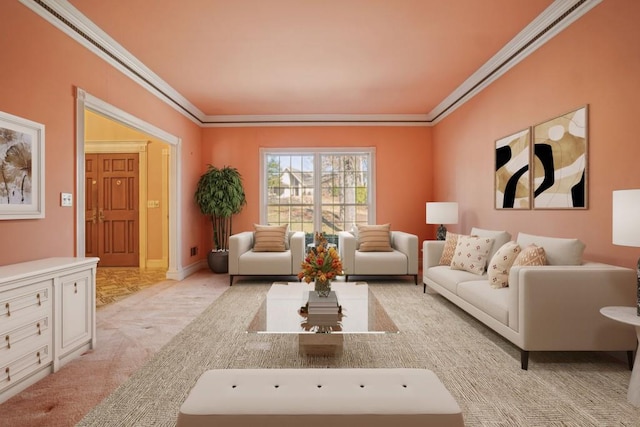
x,y
480,369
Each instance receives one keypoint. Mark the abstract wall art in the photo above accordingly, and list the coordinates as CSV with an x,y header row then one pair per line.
x,y
559,162
512,177
21,168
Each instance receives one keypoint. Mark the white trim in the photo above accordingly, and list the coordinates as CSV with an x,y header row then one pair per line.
x,y
140,73
87,101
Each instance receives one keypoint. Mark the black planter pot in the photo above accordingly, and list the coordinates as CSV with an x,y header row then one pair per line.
x,y
218,261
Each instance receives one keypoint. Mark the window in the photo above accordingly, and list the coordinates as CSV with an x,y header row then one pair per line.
x,y
318,190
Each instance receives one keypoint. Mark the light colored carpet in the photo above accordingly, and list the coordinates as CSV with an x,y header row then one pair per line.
x,y
479,368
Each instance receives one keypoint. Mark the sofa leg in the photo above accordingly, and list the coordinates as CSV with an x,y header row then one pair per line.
x,y
524,359
424,288
630,359
230,280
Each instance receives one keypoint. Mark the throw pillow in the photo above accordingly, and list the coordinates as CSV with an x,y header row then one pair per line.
x,y
471,254
501,263
449,248
374,238
499,238
270,238
558,251
532,255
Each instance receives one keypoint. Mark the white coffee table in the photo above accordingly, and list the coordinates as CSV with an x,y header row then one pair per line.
x,y
629,316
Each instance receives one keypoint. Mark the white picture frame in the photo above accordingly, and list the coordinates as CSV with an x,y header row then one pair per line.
x,y
21,168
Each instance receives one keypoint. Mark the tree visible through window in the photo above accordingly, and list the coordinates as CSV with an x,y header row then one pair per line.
x,y
318,190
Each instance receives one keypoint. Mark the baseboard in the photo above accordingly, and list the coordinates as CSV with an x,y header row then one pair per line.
x,y
187,271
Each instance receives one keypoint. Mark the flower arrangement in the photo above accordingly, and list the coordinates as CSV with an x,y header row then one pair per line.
x,y
322,264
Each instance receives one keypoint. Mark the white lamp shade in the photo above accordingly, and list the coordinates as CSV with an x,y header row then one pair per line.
x,y
442,212
626,218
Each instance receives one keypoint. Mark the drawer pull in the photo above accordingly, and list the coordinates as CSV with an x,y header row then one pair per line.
x,y
75,288
8,340
8,374
39,329
39,359
38,297
8,309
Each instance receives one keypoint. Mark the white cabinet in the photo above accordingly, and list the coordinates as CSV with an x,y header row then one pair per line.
x,y
47,317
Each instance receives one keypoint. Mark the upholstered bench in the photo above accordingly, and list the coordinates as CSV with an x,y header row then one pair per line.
x,y
319,397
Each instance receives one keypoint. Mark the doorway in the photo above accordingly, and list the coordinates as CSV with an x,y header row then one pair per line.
x,y
171,166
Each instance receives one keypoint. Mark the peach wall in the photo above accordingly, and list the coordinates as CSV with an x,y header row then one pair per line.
x,y
403,181
595,61
38,83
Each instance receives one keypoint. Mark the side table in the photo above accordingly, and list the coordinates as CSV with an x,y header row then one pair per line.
x,y
629,316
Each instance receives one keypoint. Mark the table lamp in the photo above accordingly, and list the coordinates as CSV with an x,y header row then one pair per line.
x,y
626,223
442,213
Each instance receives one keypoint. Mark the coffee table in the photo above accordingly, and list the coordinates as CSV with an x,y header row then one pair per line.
x,y
281,313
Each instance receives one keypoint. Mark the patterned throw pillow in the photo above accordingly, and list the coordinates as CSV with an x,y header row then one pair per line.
x,y
270,238
449,248
532,255
501,263
471,254
374,238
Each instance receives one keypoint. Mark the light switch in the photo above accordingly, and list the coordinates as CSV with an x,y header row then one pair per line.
x,y
66,199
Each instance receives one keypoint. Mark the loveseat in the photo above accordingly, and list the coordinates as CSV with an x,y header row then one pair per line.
x,y
401,259
284,261
552,307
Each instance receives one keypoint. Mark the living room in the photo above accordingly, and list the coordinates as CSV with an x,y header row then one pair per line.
x,y
595,61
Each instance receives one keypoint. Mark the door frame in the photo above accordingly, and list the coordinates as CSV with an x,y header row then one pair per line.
x,y
130,146
87,101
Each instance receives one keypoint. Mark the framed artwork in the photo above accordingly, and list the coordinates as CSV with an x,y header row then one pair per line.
x,y
512,177
21,168
559,162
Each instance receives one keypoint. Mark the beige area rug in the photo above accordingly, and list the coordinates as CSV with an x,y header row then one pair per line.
x,y
115,283
479,368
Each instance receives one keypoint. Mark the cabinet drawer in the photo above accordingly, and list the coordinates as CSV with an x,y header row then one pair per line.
x,y
26,300
21,338
21,367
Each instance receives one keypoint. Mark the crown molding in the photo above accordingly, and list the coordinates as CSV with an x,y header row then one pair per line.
x,y
558,16
555,18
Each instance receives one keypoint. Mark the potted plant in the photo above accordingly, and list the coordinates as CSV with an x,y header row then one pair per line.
x,y
220,195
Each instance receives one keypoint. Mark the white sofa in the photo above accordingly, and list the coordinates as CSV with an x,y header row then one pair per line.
x,y
544,308
243,261
402,261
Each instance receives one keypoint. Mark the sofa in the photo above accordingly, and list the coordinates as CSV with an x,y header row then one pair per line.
x,y
400,259
245,260
551,307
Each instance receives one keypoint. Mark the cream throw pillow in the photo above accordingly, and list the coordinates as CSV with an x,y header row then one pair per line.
x,y
471,254
374,238
270,238
501,263
532,255
449,248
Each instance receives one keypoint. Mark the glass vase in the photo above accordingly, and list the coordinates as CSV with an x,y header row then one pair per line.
x,y
323,287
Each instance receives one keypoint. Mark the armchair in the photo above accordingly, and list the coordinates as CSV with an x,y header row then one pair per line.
x,y
244,261
401,261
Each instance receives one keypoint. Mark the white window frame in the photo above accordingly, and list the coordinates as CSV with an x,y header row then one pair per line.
x,y
316,152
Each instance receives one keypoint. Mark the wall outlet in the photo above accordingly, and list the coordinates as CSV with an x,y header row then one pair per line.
x,y
66,199
194,251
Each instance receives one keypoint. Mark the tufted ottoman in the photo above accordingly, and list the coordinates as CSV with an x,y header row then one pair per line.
x,y
319,397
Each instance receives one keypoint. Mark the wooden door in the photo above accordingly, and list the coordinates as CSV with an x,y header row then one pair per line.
x,y
112,222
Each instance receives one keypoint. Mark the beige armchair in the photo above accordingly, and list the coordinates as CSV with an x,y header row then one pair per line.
x,y
244,261
402,260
